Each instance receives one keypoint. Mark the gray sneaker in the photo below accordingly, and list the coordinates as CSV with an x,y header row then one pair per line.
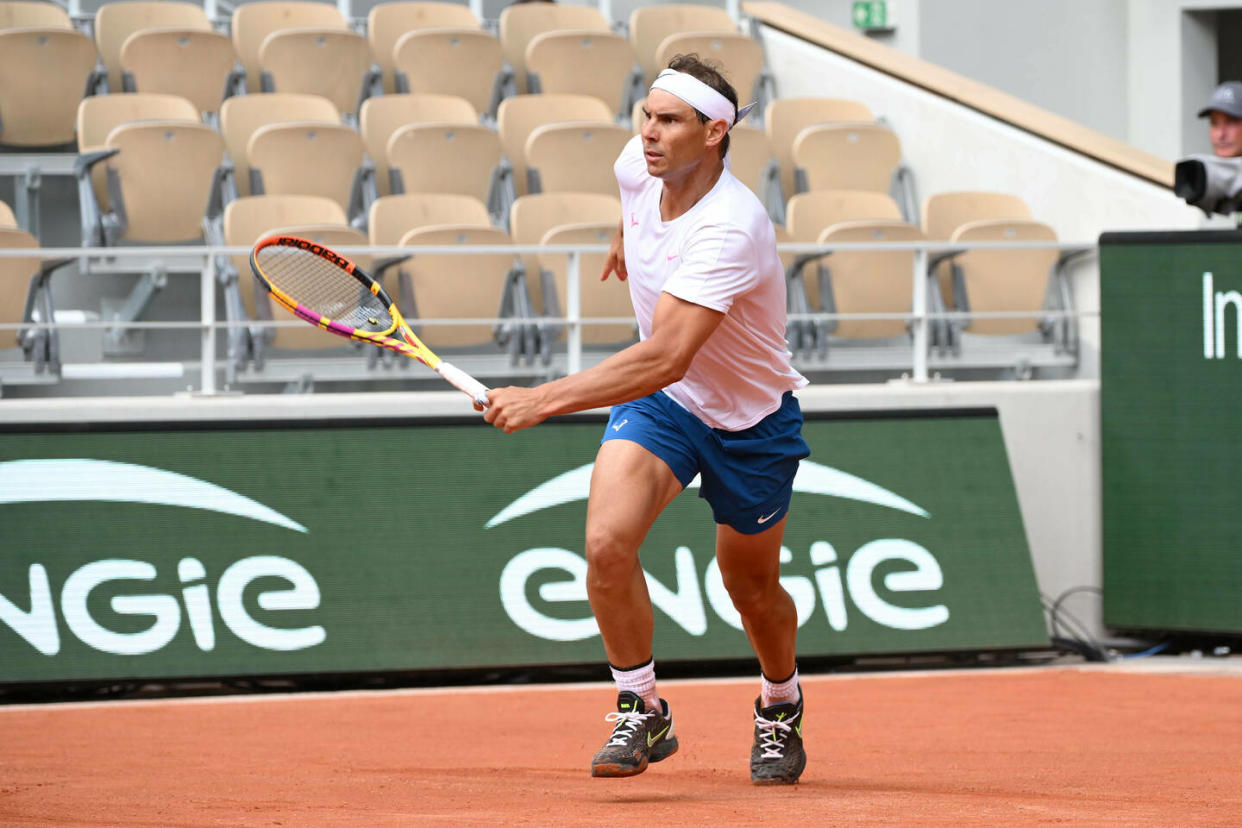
x,y
637,738
777,757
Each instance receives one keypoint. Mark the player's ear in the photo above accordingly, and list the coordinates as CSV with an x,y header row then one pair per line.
x,y
716,131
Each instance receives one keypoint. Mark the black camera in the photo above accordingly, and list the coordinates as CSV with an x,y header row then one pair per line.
x,y
1212,184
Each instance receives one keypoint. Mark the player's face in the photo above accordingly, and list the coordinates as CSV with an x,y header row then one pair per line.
x,y
675,142
1226,134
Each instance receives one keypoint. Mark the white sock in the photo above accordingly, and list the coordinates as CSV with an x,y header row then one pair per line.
x,y
779,692
640,681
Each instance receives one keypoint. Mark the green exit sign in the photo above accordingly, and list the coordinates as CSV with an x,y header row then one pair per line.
x,y
873,15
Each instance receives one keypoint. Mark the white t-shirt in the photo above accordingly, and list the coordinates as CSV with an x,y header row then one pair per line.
x,y
720,254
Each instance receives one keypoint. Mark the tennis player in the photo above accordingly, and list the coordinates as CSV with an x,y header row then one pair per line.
x,y
706,391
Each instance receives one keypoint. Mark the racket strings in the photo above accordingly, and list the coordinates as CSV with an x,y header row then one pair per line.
x,y
326,289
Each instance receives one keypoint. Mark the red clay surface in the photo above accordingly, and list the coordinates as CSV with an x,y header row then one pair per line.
x,y
1020,747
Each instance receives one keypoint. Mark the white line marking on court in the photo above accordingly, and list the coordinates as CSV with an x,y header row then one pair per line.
x,y
1220,668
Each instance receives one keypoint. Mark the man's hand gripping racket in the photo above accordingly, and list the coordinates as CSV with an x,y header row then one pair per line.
x,y
331,292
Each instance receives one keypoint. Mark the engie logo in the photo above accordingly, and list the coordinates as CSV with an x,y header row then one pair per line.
x,y
86,480
685,604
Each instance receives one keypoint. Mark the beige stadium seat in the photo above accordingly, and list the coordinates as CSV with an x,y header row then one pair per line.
x,y
944,213
447,158
242,115
395,215
383,115
521,115
97,116
7,219
740,56
865,281
26,296
115,22
197,65
596,299
329,62
464,62
846,157
19,14
751,160
650,25
387,22
1002,280
45,71
253,22
520,23
784,118
164,173
575,156
582,62
809,214
534,215
309,159
249,219
447,287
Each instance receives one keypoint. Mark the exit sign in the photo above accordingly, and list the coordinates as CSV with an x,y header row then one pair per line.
x,y
873,15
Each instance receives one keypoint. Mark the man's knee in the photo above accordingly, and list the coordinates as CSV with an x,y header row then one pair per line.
x,y
752,592
610,553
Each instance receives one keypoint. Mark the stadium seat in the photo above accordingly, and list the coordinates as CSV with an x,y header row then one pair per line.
x,y
25,296
944,213
520,23
97,117
601,64
242,115
465,62
253,22
7,219
596,299
197,65
395,215
448,158
1003,280
786,117
751,160
299,158
383,115
161,181
483,286
520,115
388,22
740,56
27,14
249,219
809,214
847,157
574,156
862,281
46,70
318,61
115,22
650,25
534,215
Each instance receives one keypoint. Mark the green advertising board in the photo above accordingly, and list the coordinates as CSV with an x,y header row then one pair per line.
x,y
243,550
1170,397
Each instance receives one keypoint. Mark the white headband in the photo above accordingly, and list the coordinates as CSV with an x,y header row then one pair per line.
x,y
700,96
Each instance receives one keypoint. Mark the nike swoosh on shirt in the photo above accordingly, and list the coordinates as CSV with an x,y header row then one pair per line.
x,y
670,258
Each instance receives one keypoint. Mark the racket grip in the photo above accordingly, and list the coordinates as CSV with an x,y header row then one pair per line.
x,y
464,382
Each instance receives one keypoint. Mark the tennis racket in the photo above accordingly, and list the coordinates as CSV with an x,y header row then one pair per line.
x,y
329,291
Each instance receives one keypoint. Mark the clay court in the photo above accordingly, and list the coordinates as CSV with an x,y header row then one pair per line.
x,y
1151,744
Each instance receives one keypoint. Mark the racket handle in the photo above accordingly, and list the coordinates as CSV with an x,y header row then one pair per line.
x,y
464,382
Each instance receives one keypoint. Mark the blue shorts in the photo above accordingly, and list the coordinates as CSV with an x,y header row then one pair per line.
x,y
746,476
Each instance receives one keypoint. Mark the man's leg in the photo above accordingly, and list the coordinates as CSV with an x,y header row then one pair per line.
x,y
750,568
630,486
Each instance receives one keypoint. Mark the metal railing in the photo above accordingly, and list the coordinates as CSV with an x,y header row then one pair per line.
x,y
206,261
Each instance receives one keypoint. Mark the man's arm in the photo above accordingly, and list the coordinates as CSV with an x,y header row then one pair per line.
x,y
678,329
